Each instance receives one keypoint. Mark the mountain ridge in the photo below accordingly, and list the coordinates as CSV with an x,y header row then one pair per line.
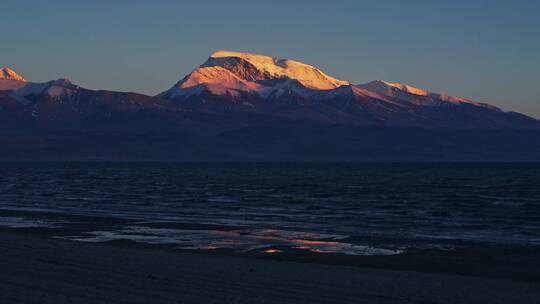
x,y
232,83
232,108
240,81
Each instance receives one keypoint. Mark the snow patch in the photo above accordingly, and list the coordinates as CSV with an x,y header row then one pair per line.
x,y
418,96
7,73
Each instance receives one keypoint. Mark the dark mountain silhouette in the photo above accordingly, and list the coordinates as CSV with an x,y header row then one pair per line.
x,y
248,107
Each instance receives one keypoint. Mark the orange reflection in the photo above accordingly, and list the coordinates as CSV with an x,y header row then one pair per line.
x,y
309,242
272,251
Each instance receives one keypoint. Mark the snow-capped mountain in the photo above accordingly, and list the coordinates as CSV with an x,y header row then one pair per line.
x,y
64,104
245,82
418,96
57,89
244,106
235,74
232,73
9,80
25,92
7,73
231,83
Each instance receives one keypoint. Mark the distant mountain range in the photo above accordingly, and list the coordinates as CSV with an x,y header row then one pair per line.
x,y
243,106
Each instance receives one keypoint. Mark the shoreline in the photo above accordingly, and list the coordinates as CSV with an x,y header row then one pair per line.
x,y
44,270
484,260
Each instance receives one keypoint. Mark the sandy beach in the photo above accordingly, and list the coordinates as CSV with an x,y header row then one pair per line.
x,y
38,269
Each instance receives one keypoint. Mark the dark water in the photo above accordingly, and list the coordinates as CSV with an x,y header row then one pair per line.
x,y
316,207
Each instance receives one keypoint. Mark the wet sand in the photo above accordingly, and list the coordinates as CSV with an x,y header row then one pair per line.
x,y
38,269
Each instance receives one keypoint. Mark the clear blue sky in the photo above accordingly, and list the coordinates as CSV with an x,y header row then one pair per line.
x,y
480,49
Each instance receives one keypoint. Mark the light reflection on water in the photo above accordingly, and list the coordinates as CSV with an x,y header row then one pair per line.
x,y
239,240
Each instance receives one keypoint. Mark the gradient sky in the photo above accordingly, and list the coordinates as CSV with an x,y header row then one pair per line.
x,y
485,50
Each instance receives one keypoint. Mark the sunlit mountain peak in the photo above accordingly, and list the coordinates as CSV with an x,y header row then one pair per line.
x,y
7,73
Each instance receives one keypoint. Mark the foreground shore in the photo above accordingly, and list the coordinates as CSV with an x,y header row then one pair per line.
x,y
44,270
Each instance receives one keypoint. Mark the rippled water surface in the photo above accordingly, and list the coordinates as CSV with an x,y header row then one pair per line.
x,y
476,202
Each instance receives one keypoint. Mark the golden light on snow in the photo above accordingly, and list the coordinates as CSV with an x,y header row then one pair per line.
x,y
220,79
7,73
